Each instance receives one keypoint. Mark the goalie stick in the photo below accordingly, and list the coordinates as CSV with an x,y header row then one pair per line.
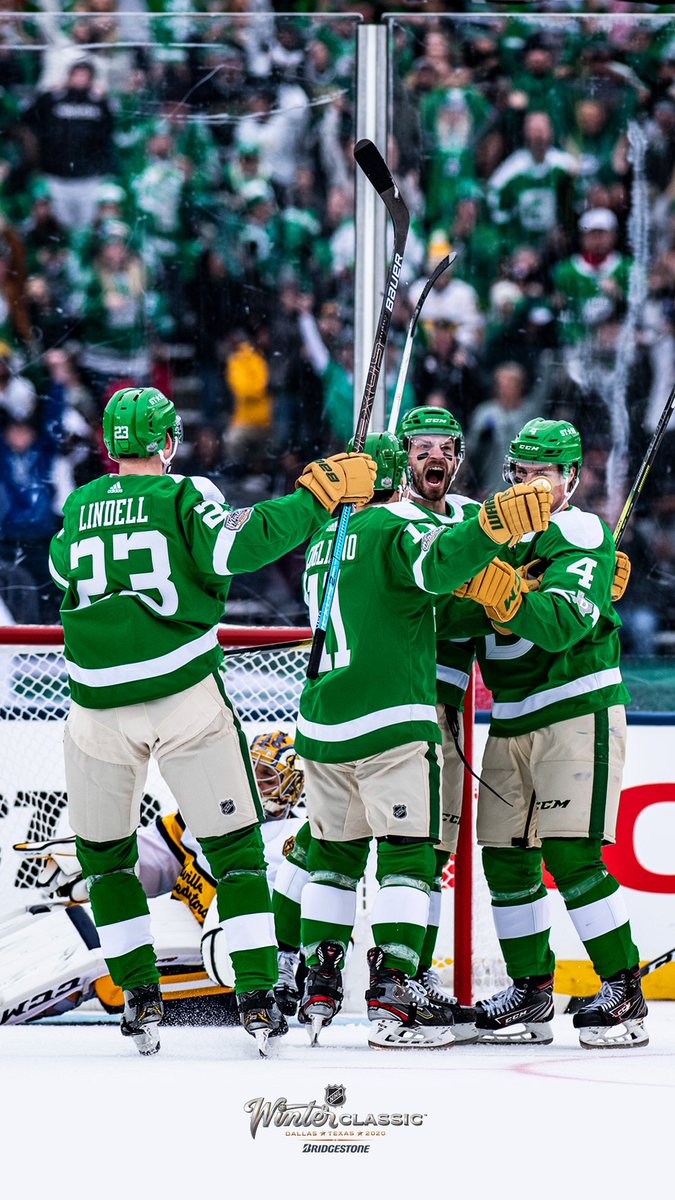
x,y
377,172
409,337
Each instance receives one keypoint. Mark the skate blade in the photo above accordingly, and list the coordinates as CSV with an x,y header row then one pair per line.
x,y
262,1042
392,1035
465,1033
528,1033
316,1024
146,1040
630,1035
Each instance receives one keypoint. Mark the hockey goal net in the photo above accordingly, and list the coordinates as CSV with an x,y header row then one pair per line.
x,y
264,672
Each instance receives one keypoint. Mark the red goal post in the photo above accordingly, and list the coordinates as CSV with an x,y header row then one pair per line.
x,y
264,673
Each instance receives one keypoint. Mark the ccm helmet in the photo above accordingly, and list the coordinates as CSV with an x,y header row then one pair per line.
x,y
390,457
430,420
545,442
136,422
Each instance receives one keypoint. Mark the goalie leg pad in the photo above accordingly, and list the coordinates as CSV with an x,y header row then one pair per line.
x,y
48,962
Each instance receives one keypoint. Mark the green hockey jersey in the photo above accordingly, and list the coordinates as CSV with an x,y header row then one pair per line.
x,y
376,686
145,563
561,659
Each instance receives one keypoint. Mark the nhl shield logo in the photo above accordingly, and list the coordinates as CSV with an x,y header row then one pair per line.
x,y
336,1095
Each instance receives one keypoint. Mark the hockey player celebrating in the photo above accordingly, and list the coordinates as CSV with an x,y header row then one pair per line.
x,y
145,560
434,441
374,769
554,756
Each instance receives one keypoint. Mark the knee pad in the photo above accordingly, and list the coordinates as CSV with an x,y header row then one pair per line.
x,y
240,851
344,862
410,858
105,858
513,874
576,864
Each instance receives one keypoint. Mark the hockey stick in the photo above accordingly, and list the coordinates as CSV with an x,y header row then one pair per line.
x,y
407,349
645,467
575,1002
377,172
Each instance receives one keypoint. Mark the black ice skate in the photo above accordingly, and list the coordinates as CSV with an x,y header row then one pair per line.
x,y
260,1016
286,991
323,994
406,1019
522,1013
461,1017
143,1010
615,1017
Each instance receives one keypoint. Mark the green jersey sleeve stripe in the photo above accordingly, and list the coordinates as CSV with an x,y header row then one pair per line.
x,y
164,664
344,730
459,679
503,710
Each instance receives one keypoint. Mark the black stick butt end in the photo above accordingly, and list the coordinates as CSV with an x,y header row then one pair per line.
x,y
315,653
373,165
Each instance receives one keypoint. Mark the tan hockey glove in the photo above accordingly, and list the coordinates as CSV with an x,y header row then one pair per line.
x,y
61,873
621,575
523,508
342,479
531,573
499,588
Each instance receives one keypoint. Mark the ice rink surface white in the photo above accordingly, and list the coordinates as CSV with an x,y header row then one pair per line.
x,y
82,1114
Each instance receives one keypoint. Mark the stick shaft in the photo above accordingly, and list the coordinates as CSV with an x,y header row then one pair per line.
x,y
645,467
410,335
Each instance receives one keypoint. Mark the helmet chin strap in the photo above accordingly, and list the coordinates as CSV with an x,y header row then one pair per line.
x,y
167,459
569,492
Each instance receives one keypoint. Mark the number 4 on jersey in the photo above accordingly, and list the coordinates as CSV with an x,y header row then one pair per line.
x,y
584,568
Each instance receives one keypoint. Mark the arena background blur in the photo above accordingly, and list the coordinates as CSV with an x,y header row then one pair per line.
x,y
177,207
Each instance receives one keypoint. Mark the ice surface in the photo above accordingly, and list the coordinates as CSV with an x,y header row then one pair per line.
x,y
83,1114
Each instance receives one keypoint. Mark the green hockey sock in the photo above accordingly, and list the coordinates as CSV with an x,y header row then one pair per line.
x,y
237,861
120,909
405,872
520,909
594,902
329,896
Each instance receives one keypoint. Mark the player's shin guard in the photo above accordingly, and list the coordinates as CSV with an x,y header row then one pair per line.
x,y
237,861
120,909
520,910
434,918
594,902
405,872
329,897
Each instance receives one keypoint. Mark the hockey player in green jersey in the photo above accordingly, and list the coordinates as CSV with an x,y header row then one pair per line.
x,y
145,560
368,734
554,755
434,442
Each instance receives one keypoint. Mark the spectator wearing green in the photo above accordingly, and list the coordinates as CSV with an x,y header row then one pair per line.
x,y
532,191
597,276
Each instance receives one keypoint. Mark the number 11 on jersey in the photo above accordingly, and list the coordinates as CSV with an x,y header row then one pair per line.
x,y
341,656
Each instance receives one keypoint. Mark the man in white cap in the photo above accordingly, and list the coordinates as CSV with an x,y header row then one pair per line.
x,y
593,283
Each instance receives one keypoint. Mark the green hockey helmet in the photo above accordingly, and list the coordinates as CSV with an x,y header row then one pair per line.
x,y
136,422
390,457
430,420
545,442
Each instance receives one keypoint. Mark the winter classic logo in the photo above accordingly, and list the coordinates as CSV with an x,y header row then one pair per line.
x,y
321,1127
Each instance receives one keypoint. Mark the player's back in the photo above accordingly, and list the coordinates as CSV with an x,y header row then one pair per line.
x,y
376,685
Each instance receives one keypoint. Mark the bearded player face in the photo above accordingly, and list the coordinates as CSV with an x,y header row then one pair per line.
x,y
432,465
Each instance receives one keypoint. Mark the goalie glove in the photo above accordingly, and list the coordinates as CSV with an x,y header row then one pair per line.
x,y
342,479
621,576
523,508
61,874
499,588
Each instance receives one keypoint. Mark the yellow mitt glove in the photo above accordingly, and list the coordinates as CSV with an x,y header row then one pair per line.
x,y
621,575
499,588
342,479
523,508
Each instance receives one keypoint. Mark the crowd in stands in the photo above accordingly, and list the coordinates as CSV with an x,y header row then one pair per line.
x,y
177,207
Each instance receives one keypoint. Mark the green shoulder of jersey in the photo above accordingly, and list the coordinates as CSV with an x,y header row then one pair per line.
x,y
145,563
559,657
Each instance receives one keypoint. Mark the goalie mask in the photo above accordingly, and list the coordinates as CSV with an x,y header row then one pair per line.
x,y
543,444
278,775
390,457
136,422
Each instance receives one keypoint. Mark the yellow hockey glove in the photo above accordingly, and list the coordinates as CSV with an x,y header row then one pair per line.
x,y
499,588
531,573
523,508
342,479
621,575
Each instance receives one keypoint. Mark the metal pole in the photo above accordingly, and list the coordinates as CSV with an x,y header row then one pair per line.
x,y
370,216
